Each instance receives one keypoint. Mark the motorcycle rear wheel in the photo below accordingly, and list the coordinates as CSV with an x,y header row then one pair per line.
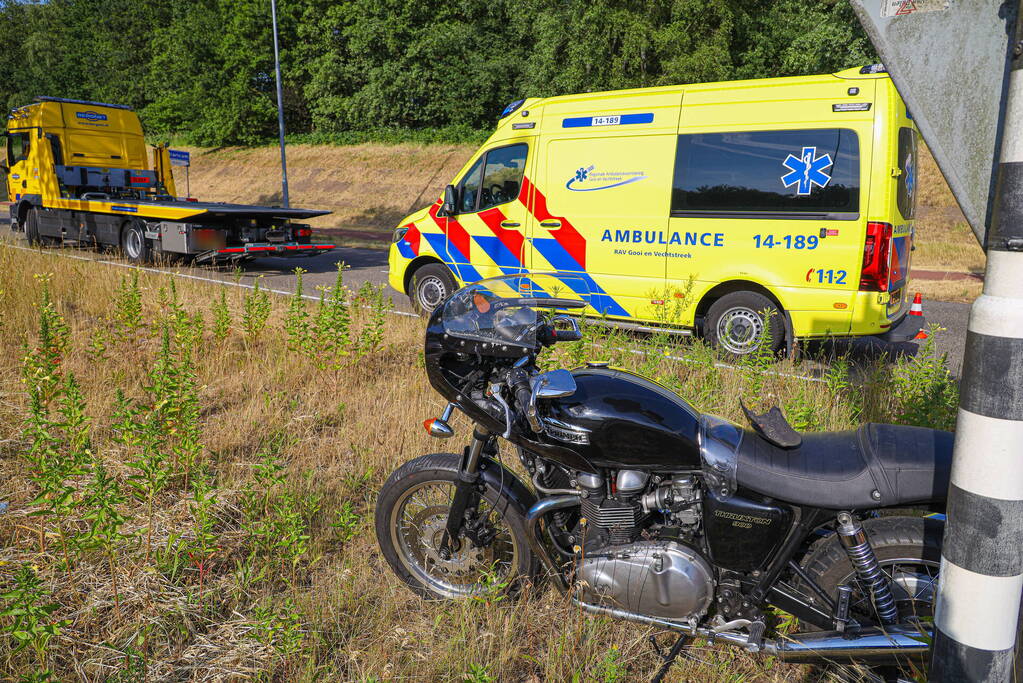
x,y
412,511
908,550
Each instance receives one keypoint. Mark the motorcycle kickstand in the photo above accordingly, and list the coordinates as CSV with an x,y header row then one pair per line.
x,y
669,659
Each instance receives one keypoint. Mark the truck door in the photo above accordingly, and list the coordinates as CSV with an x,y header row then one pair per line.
x,y
19,144
487,237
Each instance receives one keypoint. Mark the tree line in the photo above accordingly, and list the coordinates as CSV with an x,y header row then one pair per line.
x,y
201,71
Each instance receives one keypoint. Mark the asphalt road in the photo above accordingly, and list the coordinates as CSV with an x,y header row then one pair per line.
x,y
370,265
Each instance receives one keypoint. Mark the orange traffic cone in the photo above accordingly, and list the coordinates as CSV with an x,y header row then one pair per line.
x,y
918,305
918,309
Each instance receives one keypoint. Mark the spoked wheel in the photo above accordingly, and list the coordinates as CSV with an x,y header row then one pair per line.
x,y
412,511
908,551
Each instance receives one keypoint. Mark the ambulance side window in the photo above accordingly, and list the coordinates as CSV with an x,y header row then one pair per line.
x,y
469,188
501,170
502,176
906,192
768,174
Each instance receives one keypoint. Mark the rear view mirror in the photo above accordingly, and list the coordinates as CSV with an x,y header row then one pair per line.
x,y
450,199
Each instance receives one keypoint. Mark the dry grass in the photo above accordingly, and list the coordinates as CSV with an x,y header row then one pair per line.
x,y
944,240
337,613
369,186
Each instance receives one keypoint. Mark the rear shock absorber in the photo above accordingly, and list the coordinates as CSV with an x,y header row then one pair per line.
x,y
864,561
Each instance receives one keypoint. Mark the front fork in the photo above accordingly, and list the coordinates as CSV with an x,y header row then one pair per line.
x,y
467,495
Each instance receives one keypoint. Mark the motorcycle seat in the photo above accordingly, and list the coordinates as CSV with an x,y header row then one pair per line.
x,y
875,466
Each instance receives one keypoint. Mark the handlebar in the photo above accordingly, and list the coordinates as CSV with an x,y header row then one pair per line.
x,y
518,382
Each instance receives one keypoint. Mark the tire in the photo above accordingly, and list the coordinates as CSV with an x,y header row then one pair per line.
x,y
134,244
439,472
32,228
736,324
431,285
916,541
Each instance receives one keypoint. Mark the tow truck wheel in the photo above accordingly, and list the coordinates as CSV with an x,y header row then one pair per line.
x,y
32,228
740,322
134,243
431,285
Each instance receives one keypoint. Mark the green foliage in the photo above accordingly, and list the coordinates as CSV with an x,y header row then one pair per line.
x,y
333,321
279,627
256,310
221,317
925,393
27,616
128,304
346,522
41,365
296,319
103,498
394,70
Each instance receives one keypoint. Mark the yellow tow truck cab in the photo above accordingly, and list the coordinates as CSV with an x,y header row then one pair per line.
x,y
80,172
697,206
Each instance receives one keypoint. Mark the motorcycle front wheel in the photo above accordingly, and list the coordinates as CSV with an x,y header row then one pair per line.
x,y
492,554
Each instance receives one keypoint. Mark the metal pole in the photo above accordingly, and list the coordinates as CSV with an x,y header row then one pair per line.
x,y
981,583
280,108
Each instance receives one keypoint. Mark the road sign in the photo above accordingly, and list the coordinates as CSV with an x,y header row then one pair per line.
x,y
179,157
948,59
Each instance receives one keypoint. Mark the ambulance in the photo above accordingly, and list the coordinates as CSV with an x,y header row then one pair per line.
x,y
780,207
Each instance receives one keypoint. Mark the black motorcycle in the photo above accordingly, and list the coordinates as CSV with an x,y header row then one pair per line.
x,y
644,509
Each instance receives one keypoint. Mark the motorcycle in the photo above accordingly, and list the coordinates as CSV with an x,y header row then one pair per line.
x,y
642,508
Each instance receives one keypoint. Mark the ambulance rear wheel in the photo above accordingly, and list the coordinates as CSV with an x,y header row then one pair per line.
x,y
431,285
134,244
743,322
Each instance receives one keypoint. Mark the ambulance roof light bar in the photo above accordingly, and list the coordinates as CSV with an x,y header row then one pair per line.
x,y
512,108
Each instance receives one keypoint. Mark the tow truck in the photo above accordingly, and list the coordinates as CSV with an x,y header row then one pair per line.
x,y
78,172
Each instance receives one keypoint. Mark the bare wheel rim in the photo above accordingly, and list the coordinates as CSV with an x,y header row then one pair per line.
x,y
418,519
133,243
431,292
914,584
740,329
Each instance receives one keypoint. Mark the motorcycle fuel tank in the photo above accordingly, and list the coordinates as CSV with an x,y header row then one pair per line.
x,y
620,420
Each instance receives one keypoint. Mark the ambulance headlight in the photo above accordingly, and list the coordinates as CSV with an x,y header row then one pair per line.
x,y
398,234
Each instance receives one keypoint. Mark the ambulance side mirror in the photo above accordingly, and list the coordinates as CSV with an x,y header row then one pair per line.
x,y
450,200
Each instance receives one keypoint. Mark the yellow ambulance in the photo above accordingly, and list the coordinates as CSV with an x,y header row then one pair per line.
x,y
779,205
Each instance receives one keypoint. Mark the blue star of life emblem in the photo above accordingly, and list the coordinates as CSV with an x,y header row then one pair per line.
x,y
581,174
807,170
910,177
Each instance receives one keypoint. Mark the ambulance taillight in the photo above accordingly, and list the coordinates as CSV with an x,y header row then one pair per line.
x,y
876,258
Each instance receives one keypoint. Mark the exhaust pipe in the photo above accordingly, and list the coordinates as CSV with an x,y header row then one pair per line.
x,y
867,645
864,646
533,517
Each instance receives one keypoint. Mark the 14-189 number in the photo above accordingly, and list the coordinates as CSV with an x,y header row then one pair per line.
x,y
788,241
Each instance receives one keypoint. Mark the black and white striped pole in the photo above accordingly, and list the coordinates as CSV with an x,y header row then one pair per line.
x,y
957,65
982,555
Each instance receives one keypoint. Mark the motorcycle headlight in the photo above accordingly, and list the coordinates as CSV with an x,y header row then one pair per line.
x,y
398,234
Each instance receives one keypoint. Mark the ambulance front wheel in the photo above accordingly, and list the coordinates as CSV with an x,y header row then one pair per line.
x,y
740,323
431,285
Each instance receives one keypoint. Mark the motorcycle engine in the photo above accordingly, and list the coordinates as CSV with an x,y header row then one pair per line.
x,y
654,578
623,566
